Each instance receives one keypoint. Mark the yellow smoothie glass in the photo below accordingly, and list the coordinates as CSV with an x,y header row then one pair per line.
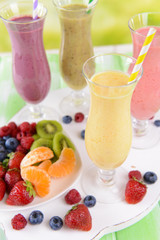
x,y
108,134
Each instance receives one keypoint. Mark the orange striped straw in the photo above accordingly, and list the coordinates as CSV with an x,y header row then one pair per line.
x,y
143,52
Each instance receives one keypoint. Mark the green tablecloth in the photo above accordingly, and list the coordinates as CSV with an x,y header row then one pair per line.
x,y
10,102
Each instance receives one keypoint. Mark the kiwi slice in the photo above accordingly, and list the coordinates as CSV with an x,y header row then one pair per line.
x,y
36,136
41,142
48,128
61,141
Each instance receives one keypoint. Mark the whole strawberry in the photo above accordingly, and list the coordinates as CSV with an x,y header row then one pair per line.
x,y
135,191
21,194
2,188
15,159
2,170
12,176
79,218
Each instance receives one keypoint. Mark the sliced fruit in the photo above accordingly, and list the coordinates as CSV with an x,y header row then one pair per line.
x,y
61,141
39,178
37,155
48,128
41,142
45,165
64,165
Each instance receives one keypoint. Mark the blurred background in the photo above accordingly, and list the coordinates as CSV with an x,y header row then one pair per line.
x,y
109,24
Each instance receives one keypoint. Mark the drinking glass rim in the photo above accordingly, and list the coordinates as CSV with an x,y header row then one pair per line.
x,y
89,7
23,23
111,87
138,14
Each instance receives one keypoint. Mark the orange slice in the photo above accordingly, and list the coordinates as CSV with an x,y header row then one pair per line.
x,y
64,165
39,178
37,155
45,165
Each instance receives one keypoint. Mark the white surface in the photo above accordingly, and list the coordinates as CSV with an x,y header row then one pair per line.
x,y
106,218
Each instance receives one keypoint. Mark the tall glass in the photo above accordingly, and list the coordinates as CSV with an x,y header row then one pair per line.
x,y
146,97
31,73
108,134
2,232
76,47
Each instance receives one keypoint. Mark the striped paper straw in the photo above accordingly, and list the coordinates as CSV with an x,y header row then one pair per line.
x,y
35,9
142,54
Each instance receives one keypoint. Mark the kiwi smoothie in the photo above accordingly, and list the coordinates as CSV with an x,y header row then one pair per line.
x,y
76,43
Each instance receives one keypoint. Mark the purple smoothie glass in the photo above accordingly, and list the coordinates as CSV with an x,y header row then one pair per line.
x,y
30,68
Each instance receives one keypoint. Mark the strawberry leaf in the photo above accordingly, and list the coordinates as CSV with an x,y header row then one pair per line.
x,y
29,188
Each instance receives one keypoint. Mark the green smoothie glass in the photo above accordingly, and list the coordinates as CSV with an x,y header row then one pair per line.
x,y
76,47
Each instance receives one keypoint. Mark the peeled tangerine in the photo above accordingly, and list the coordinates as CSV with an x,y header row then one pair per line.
x,y
64,165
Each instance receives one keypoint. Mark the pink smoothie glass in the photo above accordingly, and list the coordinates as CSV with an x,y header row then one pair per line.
x,y
30,68
146,97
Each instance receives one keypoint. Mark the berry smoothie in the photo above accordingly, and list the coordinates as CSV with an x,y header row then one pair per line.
x,y
31,73
108,133
146,97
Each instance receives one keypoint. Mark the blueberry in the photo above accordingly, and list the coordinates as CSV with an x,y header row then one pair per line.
x,y
56,223
67,119
89,201
2,148
157,123
150,177
11,143
36,217
83,134
2,141
3,155
6,137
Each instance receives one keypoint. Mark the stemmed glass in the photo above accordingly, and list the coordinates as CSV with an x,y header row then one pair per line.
x,y
108,134
146,97
31,73
2,232
76,47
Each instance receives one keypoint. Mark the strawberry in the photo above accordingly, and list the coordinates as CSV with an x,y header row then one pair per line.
x,y
12,176
135,191
79,218
2,170
21,194
2,188
15,159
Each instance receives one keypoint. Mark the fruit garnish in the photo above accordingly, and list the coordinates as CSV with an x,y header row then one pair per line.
x,y
2,170
135,191
21,194
2,188
66,119
48,128
18,222
37,155
45,165
56,223
79,117
150,177
12,176
89,201
64,165
79,218
135,174
73,197
39,178
15,159
36,217
61,141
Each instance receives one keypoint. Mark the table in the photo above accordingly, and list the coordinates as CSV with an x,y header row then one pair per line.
x,y
10,103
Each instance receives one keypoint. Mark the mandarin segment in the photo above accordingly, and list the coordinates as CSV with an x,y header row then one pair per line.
x,y
39,178
64,165
37,155
45,165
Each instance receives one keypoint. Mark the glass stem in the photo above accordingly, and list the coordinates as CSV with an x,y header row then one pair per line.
x,y
36,111
140,127
106,176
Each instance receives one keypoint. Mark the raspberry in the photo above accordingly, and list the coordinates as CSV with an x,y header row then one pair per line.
x,y
20,135
73,197
33,128
26,142
18,222
21,149
12,125
25,127
135,174
5,131
79,117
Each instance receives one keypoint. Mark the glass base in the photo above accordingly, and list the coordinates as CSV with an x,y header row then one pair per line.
x,y
108,191
76,101
36,113
145,134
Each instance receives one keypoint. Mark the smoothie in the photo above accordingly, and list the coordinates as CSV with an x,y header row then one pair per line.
x,y
31,73
108,133
146,97
76,43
